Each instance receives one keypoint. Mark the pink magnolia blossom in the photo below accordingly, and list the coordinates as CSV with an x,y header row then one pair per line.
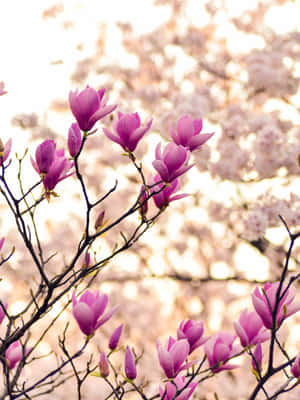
x,y
58,171
14,354
74,139
250,329
163,197
88,106
219,349
193,332
172,162
130,367
188,133
173,355
89,309
262,301
171,388
44,156
51,164
5,150
127,131
295,368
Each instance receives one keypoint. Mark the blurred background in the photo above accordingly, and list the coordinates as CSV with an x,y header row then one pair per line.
x,y
236,64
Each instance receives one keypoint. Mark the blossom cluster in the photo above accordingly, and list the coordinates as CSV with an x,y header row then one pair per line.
x,y
272,305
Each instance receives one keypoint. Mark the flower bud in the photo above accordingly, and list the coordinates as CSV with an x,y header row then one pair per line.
x,y
3,307
87,260
1,147
5,150
114,339
257,357
44,155
130,368
103,365
14,354
295,369
2,242
2,91
74,139
100,221
143,202
193,332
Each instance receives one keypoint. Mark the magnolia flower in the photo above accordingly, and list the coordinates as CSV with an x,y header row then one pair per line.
x,y
250,329
171,388
88,106
172,162
127,131
264,303
173,355
193,332
188,133
58,170
14,354
51,164
89,309
44,156
219,349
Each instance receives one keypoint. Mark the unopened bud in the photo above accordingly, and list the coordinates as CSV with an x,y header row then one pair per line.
x,y
103,365
143,202
114,339
100,221
257,357
1,242
1,147
87,260
130,368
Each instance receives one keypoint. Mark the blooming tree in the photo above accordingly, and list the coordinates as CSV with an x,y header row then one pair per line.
x,y
192,85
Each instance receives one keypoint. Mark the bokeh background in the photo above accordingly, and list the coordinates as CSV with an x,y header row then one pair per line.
x,y
236,64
